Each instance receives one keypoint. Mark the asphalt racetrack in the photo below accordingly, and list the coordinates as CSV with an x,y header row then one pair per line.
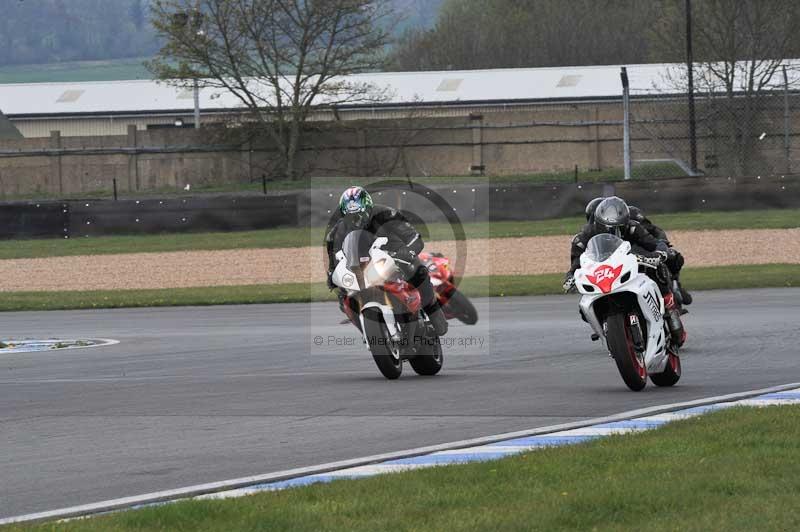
x,y
195,395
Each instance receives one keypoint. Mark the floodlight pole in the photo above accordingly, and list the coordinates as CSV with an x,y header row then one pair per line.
x,y
626,122
787,122
196,91
690,72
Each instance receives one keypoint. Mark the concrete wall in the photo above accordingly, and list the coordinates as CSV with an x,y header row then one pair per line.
x,y
522,140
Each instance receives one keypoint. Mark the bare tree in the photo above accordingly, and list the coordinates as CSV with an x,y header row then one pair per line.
x,y
740,47
282,59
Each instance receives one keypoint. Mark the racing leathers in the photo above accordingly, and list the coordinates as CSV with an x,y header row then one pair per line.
x,y
643,244
404,245
675,260
633,232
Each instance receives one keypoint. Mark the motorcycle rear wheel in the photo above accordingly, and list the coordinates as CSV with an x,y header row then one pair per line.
x,y
671,374
462,308
385,355
629,363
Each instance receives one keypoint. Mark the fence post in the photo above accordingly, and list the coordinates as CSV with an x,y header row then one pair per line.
x,y
133,159
56,169
626,122
787,123
477,167
690,74
196,97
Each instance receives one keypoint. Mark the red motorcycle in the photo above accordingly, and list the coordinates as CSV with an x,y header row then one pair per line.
x,y
454,303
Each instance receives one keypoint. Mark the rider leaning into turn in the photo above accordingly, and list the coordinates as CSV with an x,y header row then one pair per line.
x,y
674,260
612,215
357,211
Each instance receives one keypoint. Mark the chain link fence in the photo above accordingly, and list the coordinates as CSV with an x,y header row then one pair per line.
x,y
739,132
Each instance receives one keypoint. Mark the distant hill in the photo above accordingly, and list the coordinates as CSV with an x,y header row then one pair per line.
x,y
55,31
103,40
108,70
418,13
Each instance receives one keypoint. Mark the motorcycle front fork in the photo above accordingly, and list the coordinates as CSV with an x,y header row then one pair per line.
x,y
636,332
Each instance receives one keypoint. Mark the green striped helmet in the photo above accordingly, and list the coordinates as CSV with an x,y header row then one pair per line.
x,y
355,200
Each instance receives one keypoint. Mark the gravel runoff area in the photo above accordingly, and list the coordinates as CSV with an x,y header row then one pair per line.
x,y
501,256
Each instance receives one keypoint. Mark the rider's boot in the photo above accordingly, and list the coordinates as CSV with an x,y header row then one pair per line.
x,y
682,294
673,317
685,295
437,318
432,307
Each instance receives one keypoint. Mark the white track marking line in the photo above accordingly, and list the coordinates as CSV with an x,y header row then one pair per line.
x,y
240,485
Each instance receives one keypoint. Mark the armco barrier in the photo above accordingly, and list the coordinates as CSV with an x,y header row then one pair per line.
x,y
34,220
176,215
485,202
496,202
84,218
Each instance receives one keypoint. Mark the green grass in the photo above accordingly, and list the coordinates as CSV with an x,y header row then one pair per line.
x,y
111,70
733,470
773,275
293,237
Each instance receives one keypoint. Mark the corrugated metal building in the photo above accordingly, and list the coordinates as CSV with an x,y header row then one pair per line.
x,y
107,108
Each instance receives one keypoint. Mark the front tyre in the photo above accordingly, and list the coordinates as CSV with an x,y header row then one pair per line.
x,y
430,358
462,308
629,363
384,352
671,373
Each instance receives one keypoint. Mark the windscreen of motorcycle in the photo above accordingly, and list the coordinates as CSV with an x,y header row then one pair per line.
x,y
603,246
356,248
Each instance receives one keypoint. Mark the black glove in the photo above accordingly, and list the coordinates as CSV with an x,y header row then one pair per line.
x,y
569,284
650,262
331,286
672,253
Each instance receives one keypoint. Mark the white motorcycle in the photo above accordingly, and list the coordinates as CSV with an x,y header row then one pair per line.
x,y
385,307
625,308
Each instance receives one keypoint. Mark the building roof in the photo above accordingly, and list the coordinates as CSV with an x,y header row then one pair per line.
x,y
396,88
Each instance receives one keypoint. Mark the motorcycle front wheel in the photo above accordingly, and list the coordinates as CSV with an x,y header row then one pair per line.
x,y
620,343
385,354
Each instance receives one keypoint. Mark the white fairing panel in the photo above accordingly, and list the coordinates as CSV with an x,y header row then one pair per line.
x,y
620,274
388,318
380,268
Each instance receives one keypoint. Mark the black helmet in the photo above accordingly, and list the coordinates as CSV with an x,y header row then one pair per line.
x,y
636,213
591,207
611,215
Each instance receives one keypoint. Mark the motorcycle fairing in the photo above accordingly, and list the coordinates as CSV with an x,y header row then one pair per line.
x,y
647,293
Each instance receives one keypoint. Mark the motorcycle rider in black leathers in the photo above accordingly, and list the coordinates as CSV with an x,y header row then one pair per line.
x,y
356,211
612,215
675,260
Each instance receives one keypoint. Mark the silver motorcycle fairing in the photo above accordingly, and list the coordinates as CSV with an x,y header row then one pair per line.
x,y
353,282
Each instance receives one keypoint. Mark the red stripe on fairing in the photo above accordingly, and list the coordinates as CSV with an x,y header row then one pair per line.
x,y
604,276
